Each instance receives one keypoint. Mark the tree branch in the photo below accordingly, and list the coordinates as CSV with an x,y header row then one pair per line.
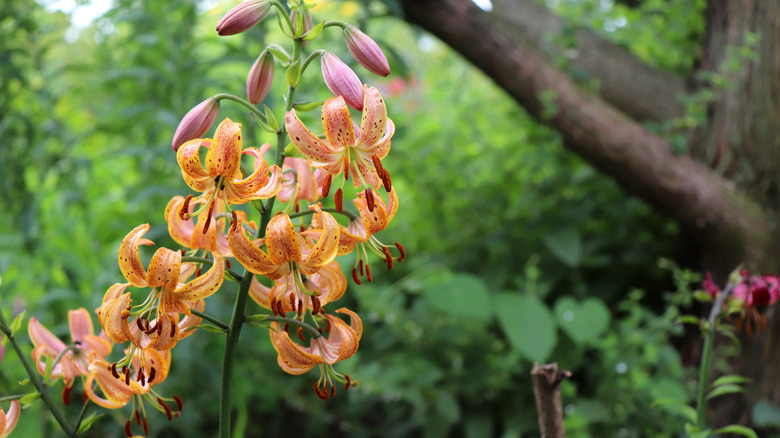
x,y
547,391
706,205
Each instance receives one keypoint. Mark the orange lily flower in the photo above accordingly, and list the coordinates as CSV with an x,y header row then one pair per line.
x,y
287,250
341,343
221,177
343,150
158,325
193,234
315,291
8,419
143,370
371,221
75,361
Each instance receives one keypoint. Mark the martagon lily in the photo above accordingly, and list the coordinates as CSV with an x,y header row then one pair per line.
x,y
343,150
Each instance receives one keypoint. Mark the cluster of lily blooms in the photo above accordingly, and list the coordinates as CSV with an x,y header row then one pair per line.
x,y
297,254
749,295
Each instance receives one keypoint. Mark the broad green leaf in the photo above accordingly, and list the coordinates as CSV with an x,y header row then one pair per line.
x,y
307,106
724,389
16,324
527,323
87,422
314,32
565,244
293,73
459,295
739,430
258,320
271,118
583,321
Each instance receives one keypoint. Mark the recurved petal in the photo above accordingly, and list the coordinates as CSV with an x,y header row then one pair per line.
x,y
373,221
337,123
188,157
41,336
309,144
189,322
259,293
117,394
355,322
379,148
180,230
281,240
205,285
80,324
247,253
10,418
114,319
164,269
168,336
129,259
372,124
293,359
258,185
327,246
224,155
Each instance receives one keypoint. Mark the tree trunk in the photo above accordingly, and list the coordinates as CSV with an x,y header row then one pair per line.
x,y
724,194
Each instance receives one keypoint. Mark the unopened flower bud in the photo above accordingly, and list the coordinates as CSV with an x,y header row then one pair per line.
x,y
342,81
307,21
243,17
196,122
366,51
260,77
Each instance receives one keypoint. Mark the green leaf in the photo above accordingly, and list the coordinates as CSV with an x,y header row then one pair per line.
x,y
688,319
30,397
459,295
87,422
739,430
314,32
566,245
293,73
256,320
280,53
765,414
583,322
527,323
724,389
210,328
271,118
447,407
307,106
702,296
16,324
730,379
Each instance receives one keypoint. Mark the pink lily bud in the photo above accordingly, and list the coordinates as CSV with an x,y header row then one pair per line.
x,y
366,51
342,81
196,122
260,77
243,17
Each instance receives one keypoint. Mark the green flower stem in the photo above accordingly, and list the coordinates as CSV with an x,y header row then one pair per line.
x,y
11,398
706,358
312,56
335,23
192,259
210,319
237,319
244,102
314,332
36,379
351,216
83,412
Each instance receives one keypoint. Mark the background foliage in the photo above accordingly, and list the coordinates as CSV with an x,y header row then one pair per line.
x,y
518,251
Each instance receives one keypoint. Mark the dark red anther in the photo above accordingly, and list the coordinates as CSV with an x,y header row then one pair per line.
x,y
234,222
66,394
287,327
326,185
346,168
273,305
168,412
208,218
401,250
388,258
152,373
137,417
300,307
349,381
360,267
280,308
292,302
300,334
127,376
129,429
368,274
386,182
332,391
355,277
198,272
141,377
338,199
227,263
84,396
140,324
377,164
179,403
159,328
182,252
316,304
370,199
184,212
146,427
113,370
327,326
151,329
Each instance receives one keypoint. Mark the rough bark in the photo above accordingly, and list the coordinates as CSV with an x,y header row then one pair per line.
x,y
547,392
707,206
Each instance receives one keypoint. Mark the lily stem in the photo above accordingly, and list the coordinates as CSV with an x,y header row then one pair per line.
x,y
706,358
237,319
211,319
36,379
83,412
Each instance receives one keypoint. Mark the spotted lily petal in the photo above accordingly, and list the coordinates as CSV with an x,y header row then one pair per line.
x,y
164,269
310,145
113,317
188,323
372,124
282,240
337,123
292,358
224,155
188,157
203,286
327,246
258,185
117,393
130,260
249,254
